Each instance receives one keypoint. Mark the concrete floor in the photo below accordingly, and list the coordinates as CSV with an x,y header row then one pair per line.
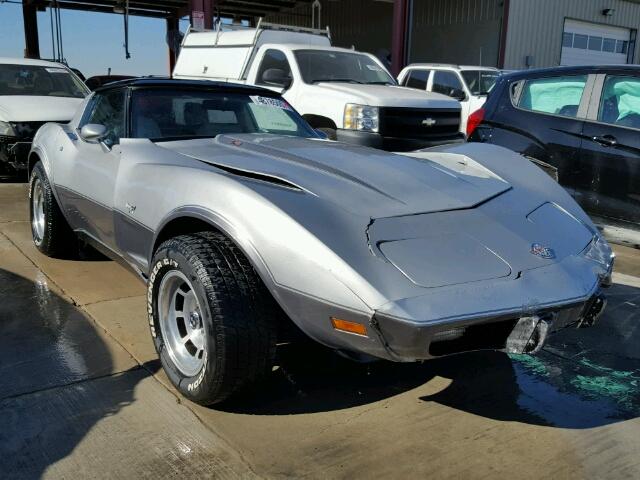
x,y
81,393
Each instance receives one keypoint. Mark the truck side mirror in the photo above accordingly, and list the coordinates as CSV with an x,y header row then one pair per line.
x,y
276,77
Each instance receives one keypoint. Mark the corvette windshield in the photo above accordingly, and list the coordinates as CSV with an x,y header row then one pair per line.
x,y
36,80
163,114
333,66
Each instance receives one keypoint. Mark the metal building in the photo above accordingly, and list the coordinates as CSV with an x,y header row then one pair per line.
x,y
510,34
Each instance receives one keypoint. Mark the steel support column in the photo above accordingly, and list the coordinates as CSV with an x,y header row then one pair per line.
x,y
399,35
172,28
504,27
30,20
208,13
205,6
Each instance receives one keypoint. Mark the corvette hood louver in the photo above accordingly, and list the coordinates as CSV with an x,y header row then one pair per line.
x,y
367,181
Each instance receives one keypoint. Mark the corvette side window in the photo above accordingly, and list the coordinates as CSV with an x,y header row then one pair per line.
x,y
556,95
108,109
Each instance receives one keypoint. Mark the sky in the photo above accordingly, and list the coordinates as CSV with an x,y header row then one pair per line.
x,y
93,41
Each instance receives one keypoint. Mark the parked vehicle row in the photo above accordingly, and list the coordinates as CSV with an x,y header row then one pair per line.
x,y
350,95
581,122
246,226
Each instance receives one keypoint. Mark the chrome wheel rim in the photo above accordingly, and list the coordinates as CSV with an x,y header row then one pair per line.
x,y
37,211
181,323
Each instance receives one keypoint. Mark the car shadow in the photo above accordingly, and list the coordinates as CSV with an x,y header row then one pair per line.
x,y
584,378
52,363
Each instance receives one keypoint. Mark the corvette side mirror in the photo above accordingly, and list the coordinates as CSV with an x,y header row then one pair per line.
x,y
92,132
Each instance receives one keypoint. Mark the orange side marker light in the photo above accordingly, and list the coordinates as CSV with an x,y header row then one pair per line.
x,y
349,327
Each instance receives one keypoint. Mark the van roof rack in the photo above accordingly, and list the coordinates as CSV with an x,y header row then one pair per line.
x,y
265,26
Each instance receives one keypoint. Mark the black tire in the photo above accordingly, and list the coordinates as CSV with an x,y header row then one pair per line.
x,y
238,314
56,239
330,132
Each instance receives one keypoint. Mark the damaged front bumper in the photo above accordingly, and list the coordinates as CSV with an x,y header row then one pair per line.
x,y
515,316
14,153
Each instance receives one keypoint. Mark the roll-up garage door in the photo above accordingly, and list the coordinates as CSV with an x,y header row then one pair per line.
x,y
594,44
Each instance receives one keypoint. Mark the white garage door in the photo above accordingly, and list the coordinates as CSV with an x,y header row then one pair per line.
x,y
593,44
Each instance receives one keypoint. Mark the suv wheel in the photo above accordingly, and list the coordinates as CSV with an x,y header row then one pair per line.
x,y
213,321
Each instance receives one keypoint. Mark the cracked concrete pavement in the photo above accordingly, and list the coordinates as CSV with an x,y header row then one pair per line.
x,y
82,395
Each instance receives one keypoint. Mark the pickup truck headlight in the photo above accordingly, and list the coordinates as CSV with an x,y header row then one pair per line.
x,y
361,117
7,130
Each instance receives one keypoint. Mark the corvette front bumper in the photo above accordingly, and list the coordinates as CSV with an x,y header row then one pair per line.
x,y
511,315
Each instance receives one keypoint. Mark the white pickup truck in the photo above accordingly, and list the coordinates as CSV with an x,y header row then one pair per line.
x,y
347,94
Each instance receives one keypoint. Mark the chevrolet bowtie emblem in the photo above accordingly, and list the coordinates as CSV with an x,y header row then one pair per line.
x,y
428,122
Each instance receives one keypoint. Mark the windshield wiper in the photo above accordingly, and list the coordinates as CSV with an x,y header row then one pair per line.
x,y
345,80
380,83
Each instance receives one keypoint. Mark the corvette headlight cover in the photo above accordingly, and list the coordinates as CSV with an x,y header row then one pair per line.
x,y
361,117
600,252
7,130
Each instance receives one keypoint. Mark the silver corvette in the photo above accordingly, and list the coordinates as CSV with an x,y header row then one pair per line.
x,y
248,226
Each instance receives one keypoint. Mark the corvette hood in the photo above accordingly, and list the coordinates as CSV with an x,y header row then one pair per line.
x,y
20,108
362,180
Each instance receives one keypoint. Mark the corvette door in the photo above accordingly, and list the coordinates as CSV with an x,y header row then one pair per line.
x,y
90,186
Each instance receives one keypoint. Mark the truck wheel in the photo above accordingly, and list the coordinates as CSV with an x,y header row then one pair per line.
x,y
213,322
50,231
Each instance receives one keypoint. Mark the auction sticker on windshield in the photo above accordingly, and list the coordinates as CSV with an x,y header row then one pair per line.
x,y
271,102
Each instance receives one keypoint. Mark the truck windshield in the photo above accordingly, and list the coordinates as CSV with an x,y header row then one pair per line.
x,y
480,82
36,80
164,114
332,66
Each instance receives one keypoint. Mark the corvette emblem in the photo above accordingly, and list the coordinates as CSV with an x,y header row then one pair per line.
x,y
543,252
429,122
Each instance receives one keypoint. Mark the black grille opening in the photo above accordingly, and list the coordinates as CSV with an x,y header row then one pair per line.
x,y
419,123
485,336
27,130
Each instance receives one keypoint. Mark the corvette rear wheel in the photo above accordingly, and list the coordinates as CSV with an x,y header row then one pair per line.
x,y
213,322
50,231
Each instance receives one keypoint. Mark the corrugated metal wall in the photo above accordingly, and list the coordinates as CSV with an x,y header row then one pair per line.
x,y
365,24
456,31
535,27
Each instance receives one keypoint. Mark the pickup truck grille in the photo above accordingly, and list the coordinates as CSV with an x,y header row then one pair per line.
x,y
419,123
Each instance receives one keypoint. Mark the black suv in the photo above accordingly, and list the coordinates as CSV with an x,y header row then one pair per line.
x,y
582,124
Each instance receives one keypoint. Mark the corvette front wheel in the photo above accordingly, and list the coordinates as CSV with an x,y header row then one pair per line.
x,y
213,322
50,231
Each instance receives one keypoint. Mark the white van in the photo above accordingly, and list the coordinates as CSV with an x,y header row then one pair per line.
x,y
468,84
347,94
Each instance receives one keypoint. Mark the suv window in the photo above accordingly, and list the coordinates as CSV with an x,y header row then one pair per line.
x,y
416,79
447,83
273,59
620,103
107,109
556,95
